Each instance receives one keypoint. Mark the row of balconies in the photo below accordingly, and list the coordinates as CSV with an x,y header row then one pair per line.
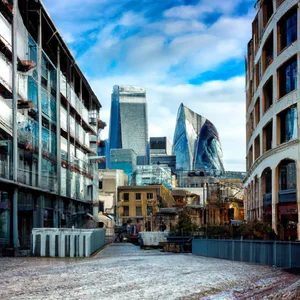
x,y
88,116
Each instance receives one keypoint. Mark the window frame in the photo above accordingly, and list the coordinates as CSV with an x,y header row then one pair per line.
x,y
151,196
282,76
126,197
283,29
136,211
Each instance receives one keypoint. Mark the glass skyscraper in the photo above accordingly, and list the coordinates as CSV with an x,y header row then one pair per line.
x,y
196,143
129,121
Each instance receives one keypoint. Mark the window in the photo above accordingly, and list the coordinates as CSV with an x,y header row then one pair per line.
x,y
268,181
268,94
257,74
126,197
126,211
288,121
287,174
267,11
138,210
255,36
149,196
268,52
101,206
250,157
287,76
138,196
257,111
100,185
257,147
267,135
287,29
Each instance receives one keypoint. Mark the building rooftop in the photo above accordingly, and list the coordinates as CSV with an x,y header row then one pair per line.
x,y
134,187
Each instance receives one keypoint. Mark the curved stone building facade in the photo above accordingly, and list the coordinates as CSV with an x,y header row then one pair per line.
x,y
196,143
272,114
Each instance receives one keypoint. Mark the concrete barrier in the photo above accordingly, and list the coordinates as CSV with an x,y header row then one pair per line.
x,y
66,242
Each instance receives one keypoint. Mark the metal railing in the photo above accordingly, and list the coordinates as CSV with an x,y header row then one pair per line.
x,y
276,253
5,170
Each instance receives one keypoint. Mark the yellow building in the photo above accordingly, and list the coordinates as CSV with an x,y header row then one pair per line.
x,y
225,201
141,203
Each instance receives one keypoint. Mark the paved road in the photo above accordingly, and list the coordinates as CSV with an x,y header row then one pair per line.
x,y
123,271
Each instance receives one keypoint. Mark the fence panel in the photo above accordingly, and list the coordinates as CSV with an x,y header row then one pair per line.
x,y
279,253
246,248
295,255
225,249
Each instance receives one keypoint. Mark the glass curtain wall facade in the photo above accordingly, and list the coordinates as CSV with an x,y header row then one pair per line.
x,y
57,114
129,121
196,143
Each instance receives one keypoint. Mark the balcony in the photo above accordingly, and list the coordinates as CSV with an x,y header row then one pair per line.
x,y
287,196
5,170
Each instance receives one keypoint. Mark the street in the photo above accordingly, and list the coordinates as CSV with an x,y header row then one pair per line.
x,y
124,271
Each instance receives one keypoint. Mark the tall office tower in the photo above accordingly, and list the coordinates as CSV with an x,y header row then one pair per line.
x,y
272,116
129,121
196,143
161,152
123,159
160,145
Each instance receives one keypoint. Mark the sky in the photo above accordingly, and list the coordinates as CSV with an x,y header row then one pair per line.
x,y
181,51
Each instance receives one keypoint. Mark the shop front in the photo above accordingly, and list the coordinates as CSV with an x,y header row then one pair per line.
x,y
288,219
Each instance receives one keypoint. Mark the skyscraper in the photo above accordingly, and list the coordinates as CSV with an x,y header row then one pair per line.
x,y
161,152
196,143
129,121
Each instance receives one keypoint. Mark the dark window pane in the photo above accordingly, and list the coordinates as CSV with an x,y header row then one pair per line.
x,y
126,196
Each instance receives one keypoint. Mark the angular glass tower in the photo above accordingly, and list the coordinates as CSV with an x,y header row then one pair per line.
x,y
129,121
196,143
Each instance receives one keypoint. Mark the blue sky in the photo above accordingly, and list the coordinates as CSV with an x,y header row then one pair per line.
x,y
189,52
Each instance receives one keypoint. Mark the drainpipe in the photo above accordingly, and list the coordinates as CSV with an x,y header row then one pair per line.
x,y
15,130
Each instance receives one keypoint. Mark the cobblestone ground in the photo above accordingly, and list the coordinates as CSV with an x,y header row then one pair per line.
x,y
123,271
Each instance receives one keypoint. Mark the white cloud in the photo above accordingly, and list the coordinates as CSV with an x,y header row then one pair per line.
x,y
162,55
175,27
203,7
222,102
131,19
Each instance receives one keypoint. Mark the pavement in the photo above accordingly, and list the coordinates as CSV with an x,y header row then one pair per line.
x,y
124,271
